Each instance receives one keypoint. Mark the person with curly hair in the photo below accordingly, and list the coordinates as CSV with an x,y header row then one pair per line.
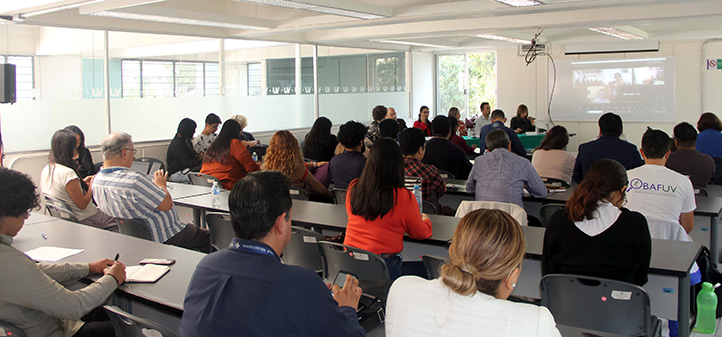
x,y
228,158
320,143
31,296
349,164
284,155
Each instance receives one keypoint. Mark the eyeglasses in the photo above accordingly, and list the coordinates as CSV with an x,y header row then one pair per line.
x,y
129,149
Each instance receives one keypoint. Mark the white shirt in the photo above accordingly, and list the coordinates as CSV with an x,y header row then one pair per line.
x,y
603,218
659,193
53,180
201,142
480,122
418,307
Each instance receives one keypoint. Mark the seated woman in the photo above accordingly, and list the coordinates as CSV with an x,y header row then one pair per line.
x,y
227,158
458,140
551,159
59,180
284,155
423,122
181,157
319,143
709,140
461,128
594,235
522,122
470,298
31,296
84,161
381,210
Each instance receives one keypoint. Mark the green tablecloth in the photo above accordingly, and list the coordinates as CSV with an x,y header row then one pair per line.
x,y
529,141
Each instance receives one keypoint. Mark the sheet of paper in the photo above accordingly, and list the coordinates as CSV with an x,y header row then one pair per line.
x,y
51,254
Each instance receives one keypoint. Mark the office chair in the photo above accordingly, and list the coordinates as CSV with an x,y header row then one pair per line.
x,y
154,164
303,249
516,211
201,179
59,209
339,195
446,174
134,227
10,330
127,325
433,265
298,193
429,208
221,229
546,212
364,264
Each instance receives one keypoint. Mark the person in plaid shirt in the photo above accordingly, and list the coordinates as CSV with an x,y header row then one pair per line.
x,y
412,144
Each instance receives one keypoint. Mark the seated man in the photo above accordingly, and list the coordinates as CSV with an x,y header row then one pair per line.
x,y
497,123
389,128
432,185
500,175
608,145
373,133
687,160
126,194
443,154
349,164
203,140
246,290
656,191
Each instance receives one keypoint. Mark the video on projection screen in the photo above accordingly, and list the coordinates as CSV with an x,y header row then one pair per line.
x,y
640,89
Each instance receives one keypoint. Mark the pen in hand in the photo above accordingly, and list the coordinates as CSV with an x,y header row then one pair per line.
x,y
44,236
117,255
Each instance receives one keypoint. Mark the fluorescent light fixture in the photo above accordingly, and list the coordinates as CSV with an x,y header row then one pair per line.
x,y
520,3
618,33
177,20
409,43
326,9
502,38
23,16
621,61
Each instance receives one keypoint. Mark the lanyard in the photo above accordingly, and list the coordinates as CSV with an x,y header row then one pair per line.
x,y
248,247
113,169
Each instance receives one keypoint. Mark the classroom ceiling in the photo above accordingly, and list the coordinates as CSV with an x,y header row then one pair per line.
x,y
394,24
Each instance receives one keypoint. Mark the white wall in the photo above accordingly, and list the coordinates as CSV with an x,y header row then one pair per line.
x,y
423,66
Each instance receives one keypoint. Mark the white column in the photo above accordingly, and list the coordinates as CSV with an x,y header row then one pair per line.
x,y
221,65
106,80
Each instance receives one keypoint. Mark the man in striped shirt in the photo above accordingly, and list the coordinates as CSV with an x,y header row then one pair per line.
x,y
126,194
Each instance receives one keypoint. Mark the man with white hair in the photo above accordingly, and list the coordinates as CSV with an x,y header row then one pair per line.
x,y
126,194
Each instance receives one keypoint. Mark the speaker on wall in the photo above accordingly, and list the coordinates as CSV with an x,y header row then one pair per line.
x,y
7,83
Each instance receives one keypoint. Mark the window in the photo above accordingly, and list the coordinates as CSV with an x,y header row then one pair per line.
x,y
160,78
24,76
387,73
254,79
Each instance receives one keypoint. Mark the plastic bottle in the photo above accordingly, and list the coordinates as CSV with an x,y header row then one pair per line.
x,y
215,189
255,157
706,309
419,197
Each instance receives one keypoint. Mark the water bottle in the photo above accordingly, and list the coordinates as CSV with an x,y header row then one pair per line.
x,y
255,157
215,189
419,198
706,309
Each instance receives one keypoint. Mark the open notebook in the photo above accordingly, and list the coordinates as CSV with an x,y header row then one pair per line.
x,y
147,273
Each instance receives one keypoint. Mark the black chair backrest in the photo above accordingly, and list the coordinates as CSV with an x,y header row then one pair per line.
x,y
127,325
717,177
699,190
433,265
339,195
201,179
446,174
547,211
429,208
134,227
153,164
298,193
593,303
221,229
11,330
364,264
555,182
303,249
260,150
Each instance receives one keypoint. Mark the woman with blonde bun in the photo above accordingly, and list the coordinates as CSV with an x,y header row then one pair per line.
x,y
470,298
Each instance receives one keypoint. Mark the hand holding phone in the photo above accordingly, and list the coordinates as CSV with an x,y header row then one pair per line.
x,y
349,295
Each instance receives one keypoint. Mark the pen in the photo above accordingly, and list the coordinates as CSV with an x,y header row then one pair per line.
x,y
117,255
44,236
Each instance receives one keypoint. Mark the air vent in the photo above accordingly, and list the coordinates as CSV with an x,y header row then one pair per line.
x,y
539,48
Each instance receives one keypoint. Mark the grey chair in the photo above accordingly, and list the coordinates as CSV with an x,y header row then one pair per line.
x,y
11,330
221,229
364,264
429,208
701,191
59,209
339,195
547,211
433,264
134,227
202,179
303,249
599,305
127,325
446,174
298,193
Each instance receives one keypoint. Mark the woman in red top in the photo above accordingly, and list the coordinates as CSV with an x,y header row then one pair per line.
x,y
227,158
423,122
380,209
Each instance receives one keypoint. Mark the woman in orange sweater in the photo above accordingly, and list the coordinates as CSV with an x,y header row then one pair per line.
x,y
380,209
227,158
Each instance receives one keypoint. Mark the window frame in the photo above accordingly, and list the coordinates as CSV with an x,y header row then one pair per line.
x,y
174,80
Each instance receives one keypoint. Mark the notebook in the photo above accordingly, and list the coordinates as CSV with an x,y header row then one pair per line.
x,y
148,273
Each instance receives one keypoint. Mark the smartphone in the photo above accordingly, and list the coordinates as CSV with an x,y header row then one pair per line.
x,y
340,279
165,262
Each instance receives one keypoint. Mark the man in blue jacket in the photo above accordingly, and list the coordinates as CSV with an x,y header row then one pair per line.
x,y
497,123
246,290
608,145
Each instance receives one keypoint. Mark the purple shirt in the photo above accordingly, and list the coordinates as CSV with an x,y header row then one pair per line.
x,y
501,176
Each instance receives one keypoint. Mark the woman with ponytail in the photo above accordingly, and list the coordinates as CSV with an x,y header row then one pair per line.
x,y
470,297
594,235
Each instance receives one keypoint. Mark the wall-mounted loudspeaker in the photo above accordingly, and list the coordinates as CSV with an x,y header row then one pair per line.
x,y
7,83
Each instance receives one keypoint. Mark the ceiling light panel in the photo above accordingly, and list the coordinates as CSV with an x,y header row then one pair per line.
x,y
502,38
316,8
520,3
22,16
618,33
177,20
409,43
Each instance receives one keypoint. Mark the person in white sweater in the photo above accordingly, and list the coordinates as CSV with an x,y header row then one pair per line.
x,y
470,298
